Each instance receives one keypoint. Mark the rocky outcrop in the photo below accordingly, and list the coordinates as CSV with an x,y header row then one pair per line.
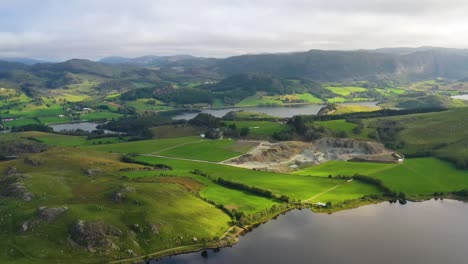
x,y
11,171
268,152
50,214
12,185
286,156
327,109
43,214
32,161
155,228
120,195
95,236
18,147
92,172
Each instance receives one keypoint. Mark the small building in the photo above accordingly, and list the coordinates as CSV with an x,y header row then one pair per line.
x,y
320,204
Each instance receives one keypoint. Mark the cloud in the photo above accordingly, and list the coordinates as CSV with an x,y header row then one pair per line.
x,y
54,29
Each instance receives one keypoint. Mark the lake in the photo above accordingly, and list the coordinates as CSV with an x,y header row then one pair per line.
x,y
85,126
279,111
430,232
462,97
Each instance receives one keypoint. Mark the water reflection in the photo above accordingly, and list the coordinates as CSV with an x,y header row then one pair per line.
x,y
427,232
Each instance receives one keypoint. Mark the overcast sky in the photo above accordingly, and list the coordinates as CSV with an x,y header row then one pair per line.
x,y
63,29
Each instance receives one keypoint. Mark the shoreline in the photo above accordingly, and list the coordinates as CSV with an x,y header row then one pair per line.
x,y
228,240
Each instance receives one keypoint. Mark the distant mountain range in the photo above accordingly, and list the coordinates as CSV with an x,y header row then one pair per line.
x,y
27,61
326,65
401,64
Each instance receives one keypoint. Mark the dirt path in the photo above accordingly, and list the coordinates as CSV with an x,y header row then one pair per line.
x,y
175,158
176,146
324,192
259,145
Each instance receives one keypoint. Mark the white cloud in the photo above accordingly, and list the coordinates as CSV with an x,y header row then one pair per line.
x,y
92,29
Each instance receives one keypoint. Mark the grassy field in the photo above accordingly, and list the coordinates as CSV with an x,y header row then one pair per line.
x,y
260,129
257,100
175,131
295,186
444,134
68,141
62,181
232,199
146,146
209,150
188,147
99,115
345,90
416,176
352,108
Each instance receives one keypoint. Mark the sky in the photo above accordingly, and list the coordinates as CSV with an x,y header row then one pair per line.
x,y
92,29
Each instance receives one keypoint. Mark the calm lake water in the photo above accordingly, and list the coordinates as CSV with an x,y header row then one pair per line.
x,y
462,97
85,126
430,232
279,111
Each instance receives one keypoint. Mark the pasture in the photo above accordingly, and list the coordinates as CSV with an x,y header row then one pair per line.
x,y
415,177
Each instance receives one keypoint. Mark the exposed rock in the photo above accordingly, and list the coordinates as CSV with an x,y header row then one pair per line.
x,y
11,171
92,172
94,235
50,214
20,146
32,161
138,228
120,196
286,156
155,228
328,109
43,214
28,225
13,186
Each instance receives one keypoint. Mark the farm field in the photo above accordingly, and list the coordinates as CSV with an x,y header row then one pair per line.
x,y
209,150
345,90
260,129
231,199
416,176
258,100
295,186
66,140
146,146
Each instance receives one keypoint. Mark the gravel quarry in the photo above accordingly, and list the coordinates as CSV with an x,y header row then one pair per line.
x,y
291,155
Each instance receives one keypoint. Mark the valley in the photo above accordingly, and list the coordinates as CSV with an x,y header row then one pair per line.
x,y
121,162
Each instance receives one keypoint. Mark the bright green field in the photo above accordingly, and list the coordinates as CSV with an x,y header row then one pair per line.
x,y
230,198
260,129
345,90
20,122
47,120
146,146
295,186
188,148
416,176
68,141
279,99
337,125
100,115
209,150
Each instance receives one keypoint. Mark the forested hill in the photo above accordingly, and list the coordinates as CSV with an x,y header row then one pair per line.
x,y
321,65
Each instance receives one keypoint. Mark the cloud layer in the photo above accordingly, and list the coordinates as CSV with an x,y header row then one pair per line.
x,y
55,29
